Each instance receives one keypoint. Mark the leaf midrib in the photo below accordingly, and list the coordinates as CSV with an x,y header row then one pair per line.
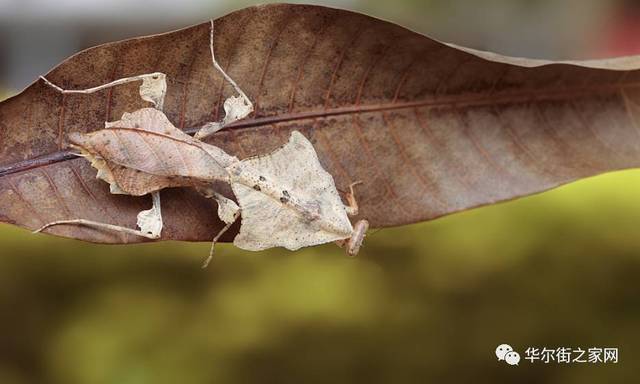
x,y
439,101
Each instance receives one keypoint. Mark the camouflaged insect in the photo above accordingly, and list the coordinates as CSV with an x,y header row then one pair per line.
x,y
285,198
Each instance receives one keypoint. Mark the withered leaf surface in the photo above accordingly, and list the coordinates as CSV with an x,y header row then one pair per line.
x,y
429,128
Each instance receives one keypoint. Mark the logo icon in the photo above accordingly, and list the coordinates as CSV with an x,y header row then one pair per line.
x,y
512,358
504,352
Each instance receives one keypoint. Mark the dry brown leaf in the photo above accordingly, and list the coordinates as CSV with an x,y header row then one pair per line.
x,y
429,128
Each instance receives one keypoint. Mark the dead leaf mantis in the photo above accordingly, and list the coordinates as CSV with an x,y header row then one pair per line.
x,y
285,197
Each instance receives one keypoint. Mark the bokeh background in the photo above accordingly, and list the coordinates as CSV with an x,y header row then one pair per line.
x,y
421,303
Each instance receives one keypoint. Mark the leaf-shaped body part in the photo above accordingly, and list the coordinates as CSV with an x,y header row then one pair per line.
x,y
154,89
148,119
227,209
268,222
154,120
132,182
235,108
150,220
148,143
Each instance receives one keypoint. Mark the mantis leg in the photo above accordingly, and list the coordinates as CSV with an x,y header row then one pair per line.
x,y
352,207
149,221
235,107
353,244
153,88
217,237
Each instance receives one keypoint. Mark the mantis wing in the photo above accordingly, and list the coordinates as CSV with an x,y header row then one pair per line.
x,y
144,152
267,222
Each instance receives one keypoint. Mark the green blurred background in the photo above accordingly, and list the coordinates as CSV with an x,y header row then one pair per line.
x,y
423,303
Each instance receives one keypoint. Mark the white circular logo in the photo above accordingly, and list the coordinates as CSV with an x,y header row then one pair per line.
x,y
512,358
502,350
